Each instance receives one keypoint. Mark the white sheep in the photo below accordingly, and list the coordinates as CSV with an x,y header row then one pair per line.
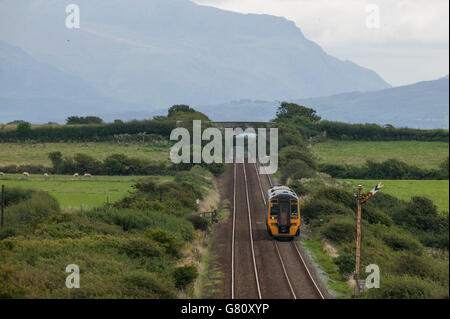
x,y
87,175
2,174
26,174
46,176
76,175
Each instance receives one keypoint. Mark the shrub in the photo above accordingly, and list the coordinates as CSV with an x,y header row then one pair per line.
x,y
142,284
23,128
297,169
340,230
345,263
199,222
407,287
322,208
166,239
421,214
39,206
299,188
423,267
73,120
15,195
337,195
139,247
376,216
292,153
400,241
185,275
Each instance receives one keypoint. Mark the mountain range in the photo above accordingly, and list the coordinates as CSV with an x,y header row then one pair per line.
x,y
148,55
420,105
134,58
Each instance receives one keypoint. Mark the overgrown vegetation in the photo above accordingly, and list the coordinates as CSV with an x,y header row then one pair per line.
x,y
408,240
128,249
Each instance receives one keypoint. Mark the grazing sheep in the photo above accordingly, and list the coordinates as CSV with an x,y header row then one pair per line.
x,y
26,174
2,174
76,175
87,175
46,176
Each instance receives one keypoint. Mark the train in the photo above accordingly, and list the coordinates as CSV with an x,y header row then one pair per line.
x,y
283,213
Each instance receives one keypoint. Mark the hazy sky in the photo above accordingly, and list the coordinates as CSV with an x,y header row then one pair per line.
x,y
410,45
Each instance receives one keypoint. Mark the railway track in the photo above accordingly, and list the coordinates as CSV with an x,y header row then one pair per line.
x,y
285,251
254,274
239,233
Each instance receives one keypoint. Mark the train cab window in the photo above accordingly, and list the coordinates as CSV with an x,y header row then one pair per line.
x,y
274,208
294,208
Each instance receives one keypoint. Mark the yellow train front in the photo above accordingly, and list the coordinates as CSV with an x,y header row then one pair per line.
x,y
283,213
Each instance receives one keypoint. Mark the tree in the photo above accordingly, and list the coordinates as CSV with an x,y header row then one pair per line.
x,y
73,120
23,128
181,108
288,111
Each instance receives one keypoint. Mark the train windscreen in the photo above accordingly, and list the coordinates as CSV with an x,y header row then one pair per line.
x,y
274,209
294,208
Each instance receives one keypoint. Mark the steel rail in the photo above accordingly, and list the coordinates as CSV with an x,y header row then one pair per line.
x,y
251,233
275,243
296,247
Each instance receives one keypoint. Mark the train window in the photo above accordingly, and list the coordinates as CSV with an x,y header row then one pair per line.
x,y
294,208
274,208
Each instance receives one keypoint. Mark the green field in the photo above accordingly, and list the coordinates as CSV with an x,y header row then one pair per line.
x,y
75,193
437,191
37,153
422,154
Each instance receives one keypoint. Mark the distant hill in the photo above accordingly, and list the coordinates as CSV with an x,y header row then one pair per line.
x,y
39,92
421,105
156,53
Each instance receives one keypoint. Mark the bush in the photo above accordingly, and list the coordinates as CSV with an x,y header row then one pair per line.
x,y
185,275
297,169
138,247
421,214
299,188
323,208
407,287
345,263
376,216
23,128
423,267
166,239
337,195
73,120
199,222
40,205
340,230
401,242
15,195
142,284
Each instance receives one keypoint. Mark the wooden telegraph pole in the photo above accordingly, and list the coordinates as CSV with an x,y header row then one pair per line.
x,y
361,199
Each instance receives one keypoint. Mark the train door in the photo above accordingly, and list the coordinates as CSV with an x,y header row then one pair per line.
x,y
284,219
